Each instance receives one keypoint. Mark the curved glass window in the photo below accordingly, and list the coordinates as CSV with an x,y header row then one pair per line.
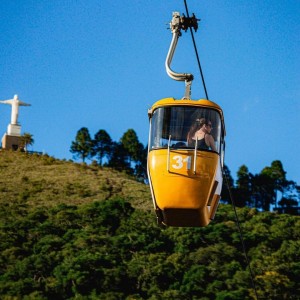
x,y
186,127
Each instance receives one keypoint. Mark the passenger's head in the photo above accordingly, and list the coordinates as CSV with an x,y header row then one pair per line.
x,y
208,126
201,122
205,124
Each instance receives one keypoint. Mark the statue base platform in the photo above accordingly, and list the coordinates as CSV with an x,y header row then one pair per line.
x,y
14,130
10,142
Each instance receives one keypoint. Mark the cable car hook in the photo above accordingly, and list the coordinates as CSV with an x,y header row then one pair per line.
x,y
177,23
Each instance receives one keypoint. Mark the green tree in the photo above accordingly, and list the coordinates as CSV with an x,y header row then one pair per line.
x,y
102,145
289,205
26,140
130,142
228,184
129,155
118,159
140,169
194,281
273,285
266,184
272,180
243,189
275,180
82,146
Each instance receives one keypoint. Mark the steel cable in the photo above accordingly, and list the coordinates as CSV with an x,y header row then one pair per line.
x,y
226,180
196,51
241,234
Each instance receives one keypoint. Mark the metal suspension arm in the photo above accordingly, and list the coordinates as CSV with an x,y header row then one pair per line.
x,y
176,25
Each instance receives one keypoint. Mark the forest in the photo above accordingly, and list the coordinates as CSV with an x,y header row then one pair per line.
x,y
72,230
109,250
268,190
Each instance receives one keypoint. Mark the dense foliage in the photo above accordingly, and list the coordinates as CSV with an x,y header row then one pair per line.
x,y
26,140
127,155
109,250
268,190
89,232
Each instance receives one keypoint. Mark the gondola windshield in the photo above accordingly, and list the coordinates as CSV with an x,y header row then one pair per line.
x,y
171,125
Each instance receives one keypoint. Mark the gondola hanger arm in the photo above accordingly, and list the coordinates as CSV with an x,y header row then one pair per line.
x,y
176,25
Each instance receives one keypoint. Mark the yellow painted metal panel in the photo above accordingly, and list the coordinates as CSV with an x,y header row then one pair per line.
x,y
179,187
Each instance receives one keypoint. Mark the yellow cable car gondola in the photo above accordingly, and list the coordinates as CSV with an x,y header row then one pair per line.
x,y
185,151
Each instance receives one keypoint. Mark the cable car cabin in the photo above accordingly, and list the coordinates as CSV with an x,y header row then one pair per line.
x,y
185,172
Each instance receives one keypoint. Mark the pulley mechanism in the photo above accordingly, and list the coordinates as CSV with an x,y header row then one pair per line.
x,y
177,24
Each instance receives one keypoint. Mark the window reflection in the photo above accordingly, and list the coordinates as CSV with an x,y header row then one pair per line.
x,y
186,127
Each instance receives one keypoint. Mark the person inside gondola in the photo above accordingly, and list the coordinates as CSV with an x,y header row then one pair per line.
x,y
201,130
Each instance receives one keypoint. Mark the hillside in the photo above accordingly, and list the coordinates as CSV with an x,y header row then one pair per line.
x,y
72,231
44,180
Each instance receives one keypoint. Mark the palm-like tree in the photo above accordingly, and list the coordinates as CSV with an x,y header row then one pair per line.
x,y
26,140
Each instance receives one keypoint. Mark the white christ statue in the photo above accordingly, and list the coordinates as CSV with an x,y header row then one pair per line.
x,y
15,103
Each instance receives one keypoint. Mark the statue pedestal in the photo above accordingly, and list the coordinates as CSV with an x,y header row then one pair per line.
x,y
14,130
11,142
12,139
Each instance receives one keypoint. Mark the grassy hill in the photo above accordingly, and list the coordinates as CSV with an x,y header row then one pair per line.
x,y
60,239
42,180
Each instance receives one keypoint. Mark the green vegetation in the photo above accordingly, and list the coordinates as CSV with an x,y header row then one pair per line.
x,y
268,189
73,231
127,155
26,140
41,180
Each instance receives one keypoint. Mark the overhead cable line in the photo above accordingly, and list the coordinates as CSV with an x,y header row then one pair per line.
x,y
229,190
241,234
196,51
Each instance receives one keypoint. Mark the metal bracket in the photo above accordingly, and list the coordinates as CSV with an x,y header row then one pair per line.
x,y
177,23
168,160
188,86
195,155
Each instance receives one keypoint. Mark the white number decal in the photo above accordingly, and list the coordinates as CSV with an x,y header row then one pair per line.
x,y
179,161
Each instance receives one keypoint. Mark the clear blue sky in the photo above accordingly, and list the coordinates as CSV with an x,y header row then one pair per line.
x,y
100,65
